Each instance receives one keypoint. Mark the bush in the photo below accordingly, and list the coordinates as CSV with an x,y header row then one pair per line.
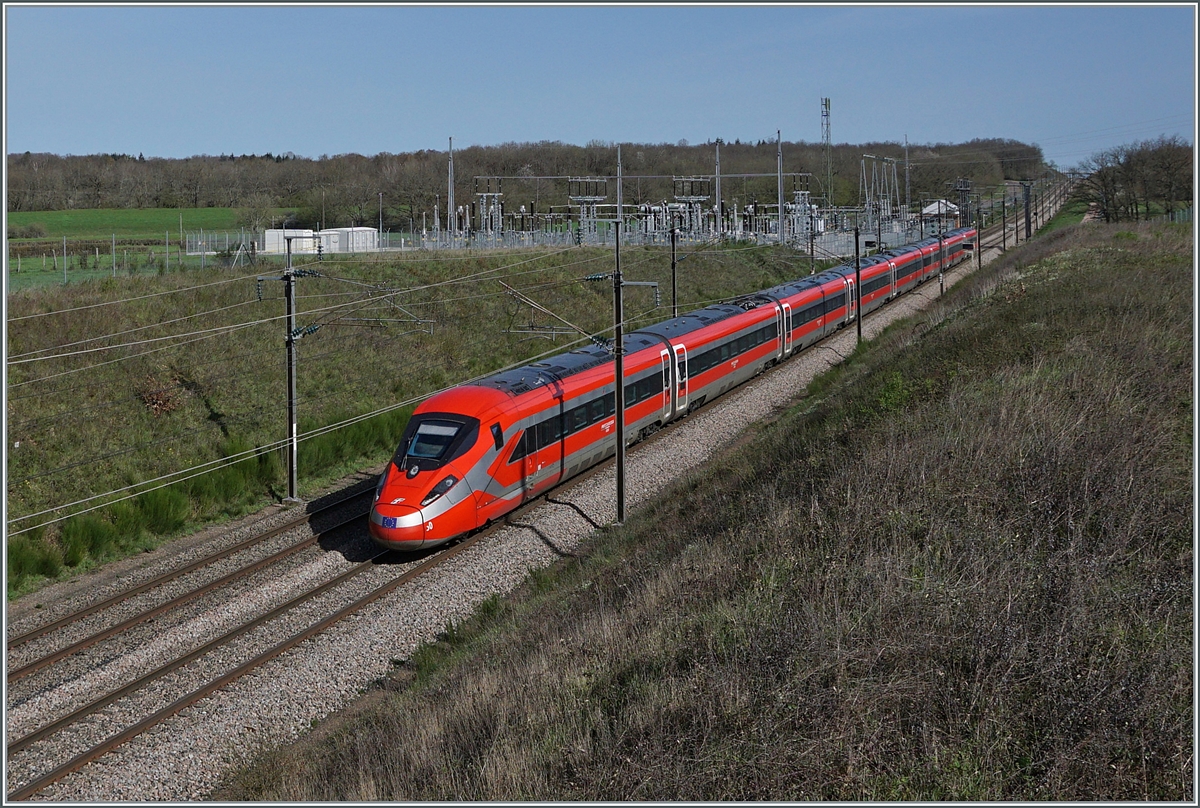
x,y
268,468
164,509
31,230
30,556
325,452
87,536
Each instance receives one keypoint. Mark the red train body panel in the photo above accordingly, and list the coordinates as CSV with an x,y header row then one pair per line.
x,y
471,454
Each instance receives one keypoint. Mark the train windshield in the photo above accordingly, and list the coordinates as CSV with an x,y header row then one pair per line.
x,y
432,439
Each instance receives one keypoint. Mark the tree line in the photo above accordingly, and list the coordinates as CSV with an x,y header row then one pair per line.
x,y
1134,181
344,189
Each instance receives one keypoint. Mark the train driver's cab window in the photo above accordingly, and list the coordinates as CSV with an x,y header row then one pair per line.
x,y
432,439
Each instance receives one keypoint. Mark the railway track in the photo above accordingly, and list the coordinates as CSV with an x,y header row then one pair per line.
x,y
193,696
15,674
62,765
29,740
28,635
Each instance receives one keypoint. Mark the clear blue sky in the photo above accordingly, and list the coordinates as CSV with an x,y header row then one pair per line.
x,y
175,81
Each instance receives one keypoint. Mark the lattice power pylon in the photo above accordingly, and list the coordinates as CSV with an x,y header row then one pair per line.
x,y
827,148
880,194
587,193
963,186
491,205
693,192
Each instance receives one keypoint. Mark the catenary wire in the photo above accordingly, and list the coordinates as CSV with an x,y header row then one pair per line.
x,y
129,300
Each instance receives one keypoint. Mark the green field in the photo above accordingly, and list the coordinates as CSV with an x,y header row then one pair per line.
x,y
35,271
140,236
147,223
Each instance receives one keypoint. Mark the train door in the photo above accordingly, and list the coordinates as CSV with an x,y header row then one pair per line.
x,y
529,464
665,360
784,316
850,301
681,377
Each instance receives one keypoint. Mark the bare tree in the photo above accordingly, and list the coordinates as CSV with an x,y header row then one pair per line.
x,y
255,212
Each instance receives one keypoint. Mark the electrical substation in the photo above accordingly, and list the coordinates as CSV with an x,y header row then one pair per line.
x,y
511,212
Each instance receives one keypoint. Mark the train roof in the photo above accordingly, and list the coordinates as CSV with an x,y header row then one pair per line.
x,y
793,287
831,274
534,375
695,320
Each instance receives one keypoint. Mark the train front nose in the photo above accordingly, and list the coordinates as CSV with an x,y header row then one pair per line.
x,y
399,527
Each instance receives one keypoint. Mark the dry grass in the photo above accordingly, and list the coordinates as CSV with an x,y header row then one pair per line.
x,y
960,571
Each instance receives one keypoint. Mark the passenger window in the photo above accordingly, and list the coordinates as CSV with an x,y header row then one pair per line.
x,y
520,450
579,418
596,410
547,432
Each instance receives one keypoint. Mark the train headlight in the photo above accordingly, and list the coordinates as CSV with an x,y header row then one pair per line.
x,y
445,485
379,486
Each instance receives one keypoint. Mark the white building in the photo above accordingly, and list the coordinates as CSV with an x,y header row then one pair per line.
x,y
303,241
349,240
940,207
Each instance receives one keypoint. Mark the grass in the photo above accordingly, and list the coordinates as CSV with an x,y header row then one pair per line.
x,y
131,223
1070,213
143,404
960,571
141,238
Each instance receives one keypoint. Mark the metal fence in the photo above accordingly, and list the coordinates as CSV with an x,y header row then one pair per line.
x,y
827,236
1176,216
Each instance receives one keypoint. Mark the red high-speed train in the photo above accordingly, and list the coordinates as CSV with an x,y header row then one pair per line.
x,y
471,454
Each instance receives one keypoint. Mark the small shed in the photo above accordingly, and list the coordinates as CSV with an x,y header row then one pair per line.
x,y
940,207
275,241
349,239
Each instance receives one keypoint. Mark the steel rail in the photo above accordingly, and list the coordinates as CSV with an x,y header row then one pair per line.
x,y
186,701
158,580
81,760
174,603
195,653
179,705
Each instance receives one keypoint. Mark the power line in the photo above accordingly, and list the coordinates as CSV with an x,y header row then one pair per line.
x,y
224,462
203,468
17,358
122,381
214,465
230,328
1078,136
191,337
127,300
93,460
227,330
